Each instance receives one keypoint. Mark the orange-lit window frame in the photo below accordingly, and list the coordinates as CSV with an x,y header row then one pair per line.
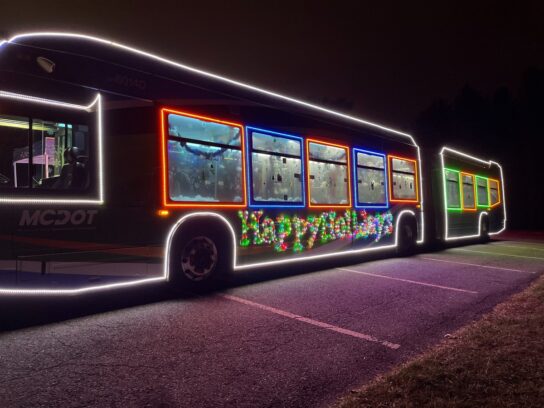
x,y
392,199
498,192
308,187
167,202
463,192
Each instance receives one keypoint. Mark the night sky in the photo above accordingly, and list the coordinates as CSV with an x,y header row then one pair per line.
x,y
385,63
391,61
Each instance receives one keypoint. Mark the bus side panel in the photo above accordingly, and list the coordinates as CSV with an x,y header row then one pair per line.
x,y
466,221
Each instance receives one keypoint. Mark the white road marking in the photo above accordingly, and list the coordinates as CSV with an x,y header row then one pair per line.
x,y
498,253
519,247
409,281
313,322
476,265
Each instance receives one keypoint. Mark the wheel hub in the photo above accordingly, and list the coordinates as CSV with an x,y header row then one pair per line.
x,y
199,258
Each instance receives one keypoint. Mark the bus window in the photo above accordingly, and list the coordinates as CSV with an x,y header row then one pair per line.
x,y
453,193
328,174
204,160
404,179
60,155
55,158
482,197
494,193
13,151
468,191
276,169
371,188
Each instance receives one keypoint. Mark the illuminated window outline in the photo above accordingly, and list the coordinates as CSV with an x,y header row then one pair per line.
x,y
211,75
488,163
463,173
478,205
249,150
390,158
348,171
421,231
167,202
460,208
498,192
357,204
100,199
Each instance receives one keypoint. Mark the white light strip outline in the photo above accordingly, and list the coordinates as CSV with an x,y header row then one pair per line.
x,y
79,291
203,73
100,170
421,240
240,84
489,163
166,265
236,266
503,199
230,81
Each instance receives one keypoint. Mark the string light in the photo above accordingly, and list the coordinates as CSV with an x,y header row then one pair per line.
x,y
96,105
297,234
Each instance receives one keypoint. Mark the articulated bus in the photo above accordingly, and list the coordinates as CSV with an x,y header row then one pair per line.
x,y
119,168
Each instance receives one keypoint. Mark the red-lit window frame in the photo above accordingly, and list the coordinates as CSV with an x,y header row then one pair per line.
x,y
308,187
392,198
167,202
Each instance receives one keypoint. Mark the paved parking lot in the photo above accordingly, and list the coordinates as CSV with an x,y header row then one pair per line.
x,y
298,340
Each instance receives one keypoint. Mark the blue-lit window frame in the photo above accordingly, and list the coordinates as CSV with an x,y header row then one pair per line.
x,y
356,202
249,173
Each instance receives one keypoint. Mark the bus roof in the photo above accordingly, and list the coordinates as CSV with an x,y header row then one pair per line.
x,y
71,43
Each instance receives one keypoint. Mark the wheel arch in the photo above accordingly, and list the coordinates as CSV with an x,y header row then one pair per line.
x,y
188,219
405,216
483,218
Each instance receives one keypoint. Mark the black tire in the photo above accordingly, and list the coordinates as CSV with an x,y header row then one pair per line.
x,y
484,230
407,235
199,257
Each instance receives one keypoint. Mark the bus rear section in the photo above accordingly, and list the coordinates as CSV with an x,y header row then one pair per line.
x,y
472,197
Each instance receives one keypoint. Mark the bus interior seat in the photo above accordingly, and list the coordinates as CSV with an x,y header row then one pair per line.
x,y
74,173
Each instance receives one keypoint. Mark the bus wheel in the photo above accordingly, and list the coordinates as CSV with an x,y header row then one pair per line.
x,y
198,260
407,237
484,230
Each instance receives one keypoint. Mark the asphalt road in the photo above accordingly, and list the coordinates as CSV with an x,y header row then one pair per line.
x,y
299,340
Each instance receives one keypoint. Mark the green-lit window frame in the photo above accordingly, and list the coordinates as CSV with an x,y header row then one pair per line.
x,y
478,205
460,208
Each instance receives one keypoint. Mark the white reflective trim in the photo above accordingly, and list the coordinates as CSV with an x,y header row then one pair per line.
x,y
171,233
167,250
209,75
448,238
503,200
28,98
100,170
444,195
98,288
236,266
421,240
333,254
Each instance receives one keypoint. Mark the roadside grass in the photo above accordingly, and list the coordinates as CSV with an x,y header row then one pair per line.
x,y
497,361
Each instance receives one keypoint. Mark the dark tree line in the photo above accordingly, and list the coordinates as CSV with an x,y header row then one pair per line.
x,y
507,127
